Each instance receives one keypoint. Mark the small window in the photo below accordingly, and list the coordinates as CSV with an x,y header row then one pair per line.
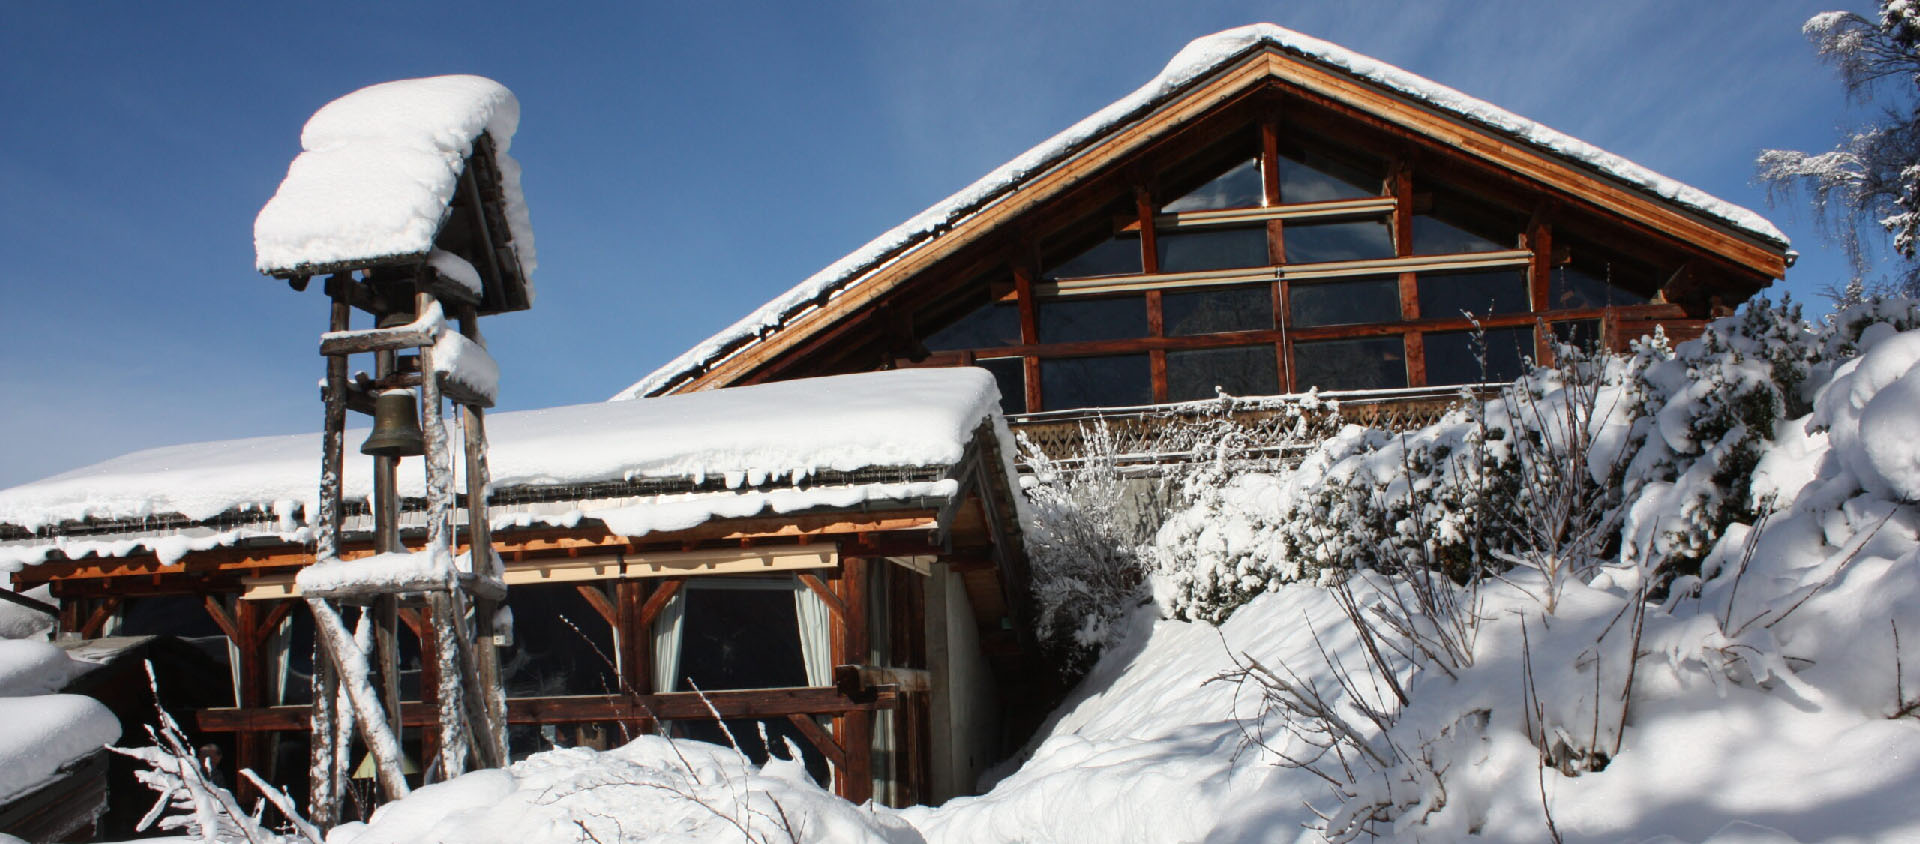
x,y
1117,255
1344,302
1010,375
1494,356
1587,276
1113,381
1073,319
1311,176
1212,249
1451,295
1239,187
992,324
1216,310
1242,371
1371,363
1446,222
555,634
1312,243
1579,333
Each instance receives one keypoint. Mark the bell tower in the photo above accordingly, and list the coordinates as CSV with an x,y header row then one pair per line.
x,y
422,259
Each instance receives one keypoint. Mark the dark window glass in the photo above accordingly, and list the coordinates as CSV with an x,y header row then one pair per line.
x,y
1213,310
1212,249
1011,376
740,639
1239,187
1115,381
1461,357
1309,243
1118,255
1344,302
1072,319
1371,363
1592,277
1580,333
1451,223
1244,371
993,324
185,617
1449,295
555,632
1313,177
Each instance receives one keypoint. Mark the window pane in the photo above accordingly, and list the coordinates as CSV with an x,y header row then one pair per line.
x,y
549,655
1011,376
1212,249
1244,371
1313,177
993,324
1239,187
1447,296
1592,277
740,639
1372,363
1579,333
1313,243
1455,357
1118,255
1453,223
1116,381
1247,307
1076,318
1344,302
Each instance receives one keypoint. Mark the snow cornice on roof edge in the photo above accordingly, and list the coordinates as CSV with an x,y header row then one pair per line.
x,y
1195,63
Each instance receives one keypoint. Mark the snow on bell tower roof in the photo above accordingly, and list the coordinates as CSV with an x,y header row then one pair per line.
x,y
401,172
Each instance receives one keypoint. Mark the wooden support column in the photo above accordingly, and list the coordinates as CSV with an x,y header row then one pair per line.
x,y
1029,330
250,748
480,544
326,782
857,739
1540,275
1150,264
635,640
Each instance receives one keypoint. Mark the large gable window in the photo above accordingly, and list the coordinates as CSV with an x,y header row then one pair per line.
x,y
1278,259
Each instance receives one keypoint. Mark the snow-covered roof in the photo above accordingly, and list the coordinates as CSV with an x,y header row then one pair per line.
x,y
1198,59
379,170
736,452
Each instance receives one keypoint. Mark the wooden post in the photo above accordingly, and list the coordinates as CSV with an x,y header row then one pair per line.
x,y
493,731
250,750
323,775
857,741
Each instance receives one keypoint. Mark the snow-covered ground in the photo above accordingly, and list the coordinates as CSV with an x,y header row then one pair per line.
x,y
1771,700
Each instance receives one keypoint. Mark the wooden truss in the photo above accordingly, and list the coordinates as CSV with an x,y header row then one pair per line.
x,y
356,672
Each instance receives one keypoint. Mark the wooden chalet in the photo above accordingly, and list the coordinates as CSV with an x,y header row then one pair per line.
x,y
875,613
1272,214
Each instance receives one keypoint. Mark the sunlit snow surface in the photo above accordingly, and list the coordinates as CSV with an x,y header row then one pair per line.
x,y
379,169
744,436
1199,58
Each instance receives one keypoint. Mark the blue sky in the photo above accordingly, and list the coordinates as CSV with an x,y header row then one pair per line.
x,y
685,162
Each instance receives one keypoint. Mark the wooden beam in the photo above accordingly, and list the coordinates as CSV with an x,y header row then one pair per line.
x,y
743,703
821,740
833,602
658,601
223,621
599,601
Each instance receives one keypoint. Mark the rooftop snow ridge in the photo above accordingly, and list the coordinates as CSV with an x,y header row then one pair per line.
x,y
379,170
1198,59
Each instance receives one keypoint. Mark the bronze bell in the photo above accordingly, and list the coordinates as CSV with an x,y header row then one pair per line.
x,y
396,426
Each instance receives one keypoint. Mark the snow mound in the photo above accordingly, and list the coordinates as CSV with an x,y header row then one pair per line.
x,y
46,732
378,170
653,789
1196,60
35,668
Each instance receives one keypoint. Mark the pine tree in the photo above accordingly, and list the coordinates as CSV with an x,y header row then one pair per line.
x,y
1873,174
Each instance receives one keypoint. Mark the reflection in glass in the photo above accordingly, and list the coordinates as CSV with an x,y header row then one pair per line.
x,y
1313,177
1583,334
1592,277
1212,249
1239,187
1073,319
1450,295
1113,381
1010,375
1459,357
552,627
1243,371
1247,307
1117,255
990,325
1309,243
1370,363
1454,223
1344,302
